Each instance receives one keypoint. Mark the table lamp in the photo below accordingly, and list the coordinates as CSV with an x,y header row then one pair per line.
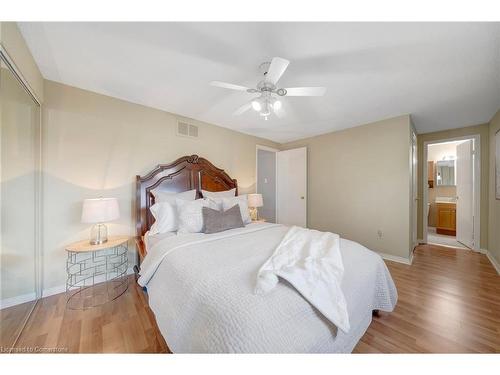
x,y
255,201
99,211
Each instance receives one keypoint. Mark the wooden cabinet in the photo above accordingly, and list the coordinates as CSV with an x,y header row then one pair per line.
x,y
446,218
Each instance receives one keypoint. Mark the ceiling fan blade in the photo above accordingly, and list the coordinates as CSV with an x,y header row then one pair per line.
x,y
305,91
242,109
230,86
276,69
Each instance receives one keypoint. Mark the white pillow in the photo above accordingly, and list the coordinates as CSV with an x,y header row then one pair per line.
x,y
164,210
165,215
219,194
190,214
165,196
240,200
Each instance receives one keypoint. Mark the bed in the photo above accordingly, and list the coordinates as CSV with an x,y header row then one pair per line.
x,y
201,286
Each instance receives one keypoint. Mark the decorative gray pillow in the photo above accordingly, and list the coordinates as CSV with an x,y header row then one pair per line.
x,y
217,221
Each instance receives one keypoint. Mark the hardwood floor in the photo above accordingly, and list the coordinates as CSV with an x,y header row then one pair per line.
x,y
11,323
125,325
449,301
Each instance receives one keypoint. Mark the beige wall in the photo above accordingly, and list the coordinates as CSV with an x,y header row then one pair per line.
x,y
494,204
482,130
95,145
354,175
13,42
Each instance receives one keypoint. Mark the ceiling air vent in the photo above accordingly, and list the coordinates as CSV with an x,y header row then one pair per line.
x,y
187,130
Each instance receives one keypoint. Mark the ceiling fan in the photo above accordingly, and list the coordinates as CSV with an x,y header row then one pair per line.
x,y
269,93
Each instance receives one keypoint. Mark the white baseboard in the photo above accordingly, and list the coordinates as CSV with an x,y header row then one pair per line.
x,y
54,290
9,302
62,288
493,261
396,258
17,300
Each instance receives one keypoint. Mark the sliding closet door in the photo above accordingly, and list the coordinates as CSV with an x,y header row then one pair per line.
x,y
19,149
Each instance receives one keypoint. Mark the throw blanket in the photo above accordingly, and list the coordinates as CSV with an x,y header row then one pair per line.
x,y
311,261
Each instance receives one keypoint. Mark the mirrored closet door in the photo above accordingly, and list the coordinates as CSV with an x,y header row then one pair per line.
x,y
19,202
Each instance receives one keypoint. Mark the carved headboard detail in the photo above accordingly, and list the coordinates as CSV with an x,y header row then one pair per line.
x,y
186,173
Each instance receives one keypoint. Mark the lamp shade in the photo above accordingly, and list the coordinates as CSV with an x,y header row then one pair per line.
x,y
255,200
100,210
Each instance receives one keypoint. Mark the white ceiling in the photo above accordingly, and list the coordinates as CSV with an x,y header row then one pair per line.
x,y
446,75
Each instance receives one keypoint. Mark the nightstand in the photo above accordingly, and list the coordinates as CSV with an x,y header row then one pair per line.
x,y
259,221
96,273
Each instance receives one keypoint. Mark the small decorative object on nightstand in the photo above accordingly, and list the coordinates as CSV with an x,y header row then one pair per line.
x,y
255,201
99,211
96,273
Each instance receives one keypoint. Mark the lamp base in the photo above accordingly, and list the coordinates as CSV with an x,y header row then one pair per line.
x,y
98,234
254,213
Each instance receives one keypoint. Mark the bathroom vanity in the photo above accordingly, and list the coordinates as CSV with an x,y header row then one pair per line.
x,y
446,218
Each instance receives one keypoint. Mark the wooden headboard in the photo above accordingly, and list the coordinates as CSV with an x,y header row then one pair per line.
x,y
186,173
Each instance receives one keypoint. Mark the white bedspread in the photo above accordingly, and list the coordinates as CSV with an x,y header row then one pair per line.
x,y
310,260
201,290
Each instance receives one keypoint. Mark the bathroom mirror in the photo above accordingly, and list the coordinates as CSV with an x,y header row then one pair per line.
x,y
445,173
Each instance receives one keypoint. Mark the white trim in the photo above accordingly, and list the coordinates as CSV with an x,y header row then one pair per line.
x,y
398,259
477,186
267,148
413,188
493,261
17,72
62,288
17,300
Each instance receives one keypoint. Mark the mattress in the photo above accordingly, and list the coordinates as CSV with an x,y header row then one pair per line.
x,y
201,290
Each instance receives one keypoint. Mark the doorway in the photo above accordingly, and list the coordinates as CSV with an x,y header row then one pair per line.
x,y
266,182
451,201
282,181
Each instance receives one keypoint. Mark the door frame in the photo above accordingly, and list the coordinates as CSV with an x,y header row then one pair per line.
x,y
476,186
414,190
270,149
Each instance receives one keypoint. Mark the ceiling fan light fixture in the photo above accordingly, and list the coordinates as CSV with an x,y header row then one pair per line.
x,y
256,105
266,109
277,105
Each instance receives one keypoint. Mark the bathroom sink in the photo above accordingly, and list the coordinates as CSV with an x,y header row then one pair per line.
x,y
446,200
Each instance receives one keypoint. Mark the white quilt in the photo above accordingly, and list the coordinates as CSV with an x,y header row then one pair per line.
x,y
310,260
201,290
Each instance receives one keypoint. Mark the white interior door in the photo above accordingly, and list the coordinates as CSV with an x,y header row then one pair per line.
x,y
465,194
414,195
292,187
